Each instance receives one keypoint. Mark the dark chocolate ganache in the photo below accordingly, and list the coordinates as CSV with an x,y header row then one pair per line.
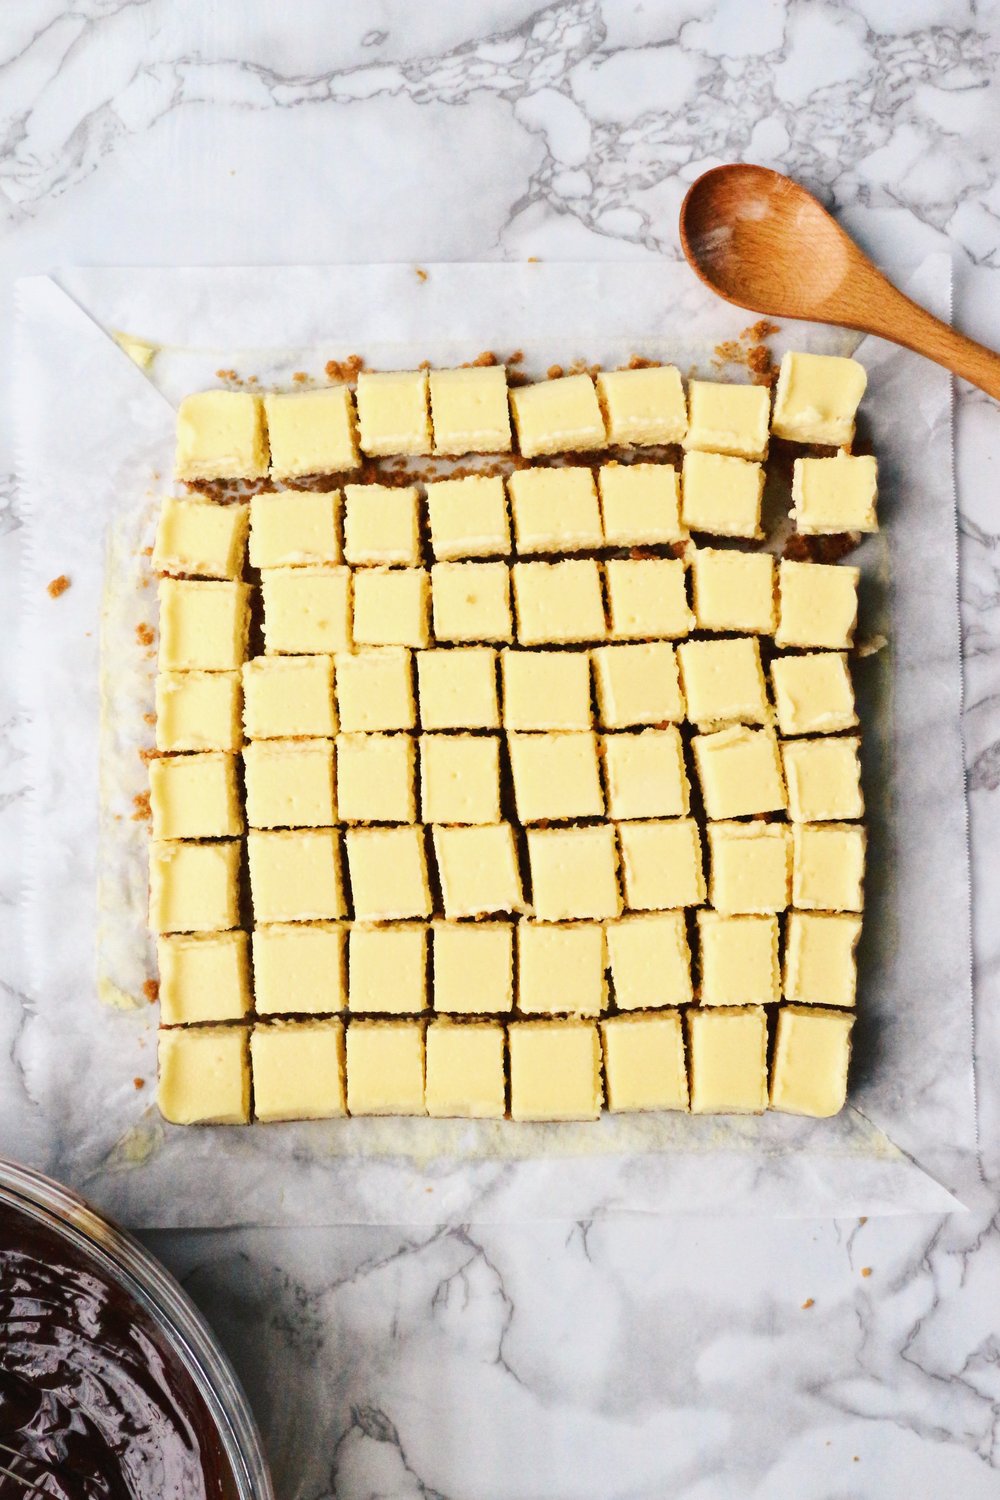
x,y
91,1392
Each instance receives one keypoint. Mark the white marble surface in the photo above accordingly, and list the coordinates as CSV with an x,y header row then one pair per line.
x,y
637,1358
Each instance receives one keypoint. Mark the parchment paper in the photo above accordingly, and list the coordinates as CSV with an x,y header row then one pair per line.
x,y
95,438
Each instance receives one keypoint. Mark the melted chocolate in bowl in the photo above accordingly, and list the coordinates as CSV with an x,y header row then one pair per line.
x,y
90,1384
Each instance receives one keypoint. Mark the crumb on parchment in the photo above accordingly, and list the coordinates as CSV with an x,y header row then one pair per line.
x,y
809,1302
421,273
139,1083
144,634
151,990
866,1271
142,811
344,369
57,586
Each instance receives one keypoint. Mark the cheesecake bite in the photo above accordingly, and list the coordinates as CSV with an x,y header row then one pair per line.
x,y
643,407
388,872
469,410
640,505
751,866
376,778
645,774
307,611
817,398
221,435
465,1070
296,528
392,607
724,681
459,778
194,887
730,419
203,626
834,494
478,870
471,601
823,779
298,968
457,689
662,864
722,495
385,1068
473,967
195,796
557,416
561,968
728,1059
198,711
650,960
295,875
739,960
381,525
311,432
574,873
204,1075
647,598
375,690
546,690
638,685
817,605
288,697
644,1062
813,693
828,866
289,784
393,415
298,1070
734,591
812,1054
555,510
387,969
555,1070
556,777
740,772
200,539
558,603
204,976
468,518
820,963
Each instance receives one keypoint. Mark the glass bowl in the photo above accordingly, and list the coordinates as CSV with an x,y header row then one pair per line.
x,y
159,1301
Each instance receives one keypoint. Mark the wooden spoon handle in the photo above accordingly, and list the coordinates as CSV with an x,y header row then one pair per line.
x,y
892,315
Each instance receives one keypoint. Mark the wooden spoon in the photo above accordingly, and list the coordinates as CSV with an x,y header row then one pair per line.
x,y
762,241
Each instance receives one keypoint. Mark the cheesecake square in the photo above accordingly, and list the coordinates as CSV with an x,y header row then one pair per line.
x,y
465,1074
834,494
471,601
289,784
813,693
387,969
555,1070
375,690
555,510
823,779
376,778
473,967
662,864
194,887
381,525
457,689
204,1075
722,495
469,410
817,605
195,796
200,539
198,711
643,407
393,416
647,598
739,960
724,681
557,416
650,960
311,432
812,1054
734,591
740,772
478,870
459,778
307,611
468,518
750,867
574,873
556,777
730,419
644,1062
828,866
645,774
558,603
817,398
638,685
288,697
221,435
561,968
727,1048
640,504
296,528
388,870
385,1068
820,963
203,626
298,1070
298,968
204,976
295,876
546,690
392,607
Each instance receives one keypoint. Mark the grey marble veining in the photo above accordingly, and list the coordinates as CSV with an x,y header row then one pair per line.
x,y
640,1358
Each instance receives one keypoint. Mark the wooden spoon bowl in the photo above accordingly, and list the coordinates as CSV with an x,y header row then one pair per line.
x,y
761,241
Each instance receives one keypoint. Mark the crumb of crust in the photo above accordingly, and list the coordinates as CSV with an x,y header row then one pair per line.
x,y
144,634
533,260
300,377
809,1302
424,364
421,274
230,375
344,369
57,586
870,646
517,377
640,362
140,803
554,372
138,1083
762,329
149,718
252,380
485,359
820,549
146,552
866,1271
863,1219
517,358
146,754
151,990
